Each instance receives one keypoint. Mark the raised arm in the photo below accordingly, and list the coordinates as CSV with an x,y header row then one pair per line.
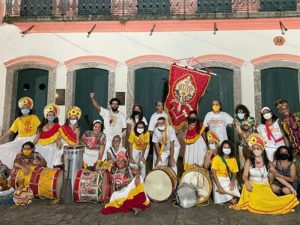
x,y
95,103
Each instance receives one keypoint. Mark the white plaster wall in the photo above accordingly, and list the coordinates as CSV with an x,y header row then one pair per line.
x,y
246,44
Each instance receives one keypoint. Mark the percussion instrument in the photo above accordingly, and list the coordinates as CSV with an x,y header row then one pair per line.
x,y
91,186
186,195
6,197
160,184
199,178
23,196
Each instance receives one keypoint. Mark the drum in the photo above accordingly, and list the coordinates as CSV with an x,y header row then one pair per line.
x,y
186,195
198,177
6,197
91,186
160,184
44,182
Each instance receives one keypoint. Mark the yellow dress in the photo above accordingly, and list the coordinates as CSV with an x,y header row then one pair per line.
x,y
261,199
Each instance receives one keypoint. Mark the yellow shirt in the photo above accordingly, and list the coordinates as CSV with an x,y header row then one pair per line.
x,y
219,166
25,126
139,142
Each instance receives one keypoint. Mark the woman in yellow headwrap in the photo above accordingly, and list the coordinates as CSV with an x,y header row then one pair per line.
x,y
26,126
257,195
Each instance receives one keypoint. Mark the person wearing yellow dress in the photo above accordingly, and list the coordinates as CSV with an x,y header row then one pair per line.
x,y
257,196
26,126
48,134
139,140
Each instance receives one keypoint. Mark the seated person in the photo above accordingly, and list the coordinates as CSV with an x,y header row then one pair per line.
x,y
115,148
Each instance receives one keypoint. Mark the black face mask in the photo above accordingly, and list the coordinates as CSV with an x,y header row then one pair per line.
x,y
136,112
283,156
192,120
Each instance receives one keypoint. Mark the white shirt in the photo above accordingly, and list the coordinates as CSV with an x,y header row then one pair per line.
x,y
171,136
153,120
113,122
112,152
132,123
218,123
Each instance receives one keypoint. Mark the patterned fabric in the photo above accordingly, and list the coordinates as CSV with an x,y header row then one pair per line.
x,y
27,160
246,127
6,197
23,196
119,179
93,141
26,126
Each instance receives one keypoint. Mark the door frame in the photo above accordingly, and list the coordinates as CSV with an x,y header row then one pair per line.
x,y
10,101
71,78
131,80
257,79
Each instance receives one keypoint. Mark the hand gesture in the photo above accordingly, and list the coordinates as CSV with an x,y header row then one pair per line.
x,y
92,94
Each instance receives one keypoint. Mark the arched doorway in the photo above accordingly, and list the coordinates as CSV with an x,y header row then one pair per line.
x,y
90,80
280,82
151,85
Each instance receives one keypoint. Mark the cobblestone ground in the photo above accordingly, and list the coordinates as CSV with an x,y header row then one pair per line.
x,y
42,212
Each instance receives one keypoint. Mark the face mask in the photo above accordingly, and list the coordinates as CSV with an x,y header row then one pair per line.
x,y
226,151
257,152
241,116
267,116
192,120
162,128
283,156
136,112
216,108
140,130
73,121
212,146
27,152
50,118
25,112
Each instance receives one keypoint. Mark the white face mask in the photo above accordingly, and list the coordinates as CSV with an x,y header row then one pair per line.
x,y
241,116
212,146
226,151
73,121
161,128
140,130
267,116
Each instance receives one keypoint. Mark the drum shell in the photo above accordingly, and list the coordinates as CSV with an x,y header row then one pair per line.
x,y
186,195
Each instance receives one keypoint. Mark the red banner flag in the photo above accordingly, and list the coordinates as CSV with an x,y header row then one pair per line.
x,y
186,86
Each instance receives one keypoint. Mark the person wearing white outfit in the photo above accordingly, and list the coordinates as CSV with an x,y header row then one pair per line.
x,y
224,171
166,145
115,148
270,130
159,113
26,126
47,137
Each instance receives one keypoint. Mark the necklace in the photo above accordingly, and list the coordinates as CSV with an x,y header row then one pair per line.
x,y
262,173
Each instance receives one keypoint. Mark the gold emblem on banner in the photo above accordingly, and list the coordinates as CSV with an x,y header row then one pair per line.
x,y
185,90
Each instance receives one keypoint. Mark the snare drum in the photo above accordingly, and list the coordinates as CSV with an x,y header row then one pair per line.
x,y
186,195
160,184
91,186
198,177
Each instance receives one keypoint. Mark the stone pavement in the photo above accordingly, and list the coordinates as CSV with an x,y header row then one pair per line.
x,y
42,212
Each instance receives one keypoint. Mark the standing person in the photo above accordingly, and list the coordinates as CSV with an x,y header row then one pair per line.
x,y
285,169
224,170
47,137
217,120
26,126
244,125
139,140
195,149
270,130
114,120
166,145
290,125
158,113
257,195
213,147
94,141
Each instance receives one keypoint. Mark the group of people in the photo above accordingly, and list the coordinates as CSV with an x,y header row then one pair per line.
x,y
269,151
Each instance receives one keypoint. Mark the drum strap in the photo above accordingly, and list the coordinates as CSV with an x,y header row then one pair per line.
x,y
228,170
113,152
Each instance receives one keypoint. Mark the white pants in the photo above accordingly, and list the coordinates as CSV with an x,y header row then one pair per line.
x,y
136,155
221,198
165,155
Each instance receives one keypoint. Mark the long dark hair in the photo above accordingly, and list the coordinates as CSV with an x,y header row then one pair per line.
x,y
265,159
263,120
290,153
140,114
231,146
198,122
136,125
243,108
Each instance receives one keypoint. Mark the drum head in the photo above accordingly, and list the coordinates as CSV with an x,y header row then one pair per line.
x,y
158,186
201,180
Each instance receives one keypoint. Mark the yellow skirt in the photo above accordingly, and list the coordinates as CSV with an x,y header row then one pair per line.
x,y
263,201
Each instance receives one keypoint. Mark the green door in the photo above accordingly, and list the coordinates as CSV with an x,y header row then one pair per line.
x,y
151,85
34,84
87,81
280,83
220,87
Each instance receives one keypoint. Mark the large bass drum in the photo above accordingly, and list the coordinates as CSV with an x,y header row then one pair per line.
x,y
160,184
200,179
